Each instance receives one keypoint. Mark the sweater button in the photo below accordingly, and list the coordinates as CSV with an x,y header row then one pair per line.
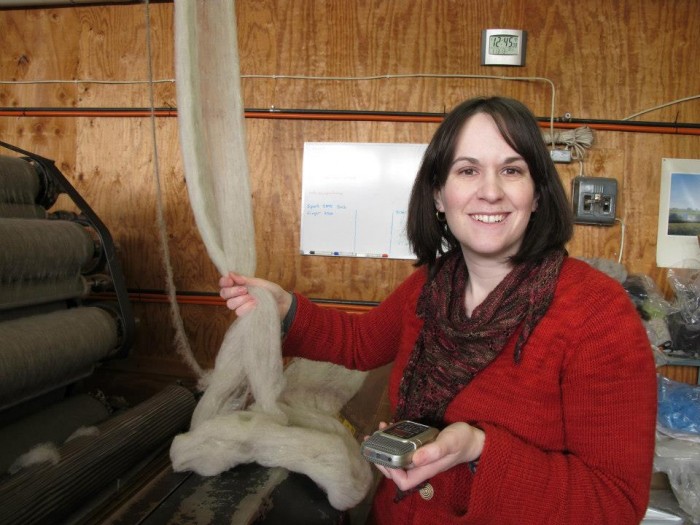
x,y
427,492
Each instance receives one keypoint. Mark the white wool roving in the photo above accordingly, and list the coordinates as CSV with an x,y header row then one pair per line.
x,y
41,453
292,421
250,355
84,432
320,386
312,441
212,131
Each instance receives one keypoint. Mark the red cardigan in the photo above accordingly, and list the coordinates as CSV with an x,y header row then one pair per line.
x,y
569,430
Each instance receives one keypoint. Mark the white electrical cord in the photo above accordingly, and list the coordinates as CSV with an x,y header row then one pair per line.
x,y
678,101
308,77
419,75
78,81
622,238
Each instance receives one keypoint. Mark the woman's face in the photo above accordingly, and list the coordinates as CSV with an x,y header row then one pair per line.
x,y
489,195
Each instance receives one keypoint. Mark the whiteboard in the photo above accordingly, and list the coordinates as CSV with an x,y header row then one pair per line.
x,y
355,198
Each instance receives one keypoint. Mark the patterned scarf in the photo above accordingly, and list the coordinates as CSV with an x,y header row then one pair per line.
x,y
452,347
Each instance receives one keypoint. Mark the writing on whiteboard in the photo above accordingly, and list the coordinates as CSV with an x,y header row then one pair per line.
x,y
355,198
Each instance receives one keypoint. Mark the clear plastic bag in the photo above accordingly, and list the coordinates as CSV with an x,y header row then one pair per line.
x,y
679,459
684,320
686,286
652,308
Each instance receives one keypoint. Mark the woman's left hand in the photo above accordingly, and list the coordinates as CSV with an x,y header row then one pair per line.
x,y
457,443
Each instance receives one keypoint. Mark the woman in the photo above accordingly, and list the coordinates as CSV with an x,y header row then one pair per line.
x,y
535,366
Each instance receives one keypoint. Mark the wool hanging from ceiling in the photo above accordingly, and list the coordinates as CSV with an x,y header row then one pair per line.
x,y
288,424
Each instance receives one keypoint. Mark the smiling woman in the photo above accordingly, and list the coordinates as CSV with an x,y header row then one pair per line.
x,y
533,364
489,195
503,133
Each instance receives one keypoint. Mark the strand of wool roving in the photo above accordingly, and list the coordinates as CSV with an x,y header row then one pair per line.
x,y
181,342
286,425
312,441
212,131
249,352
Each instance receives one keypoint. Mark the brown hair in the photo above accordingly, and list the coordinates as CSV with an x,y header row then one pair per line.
x,y
550,227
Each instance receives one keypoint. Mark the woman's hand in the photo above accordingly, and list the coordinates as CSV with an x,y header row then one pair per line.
x,y
234,290
457,443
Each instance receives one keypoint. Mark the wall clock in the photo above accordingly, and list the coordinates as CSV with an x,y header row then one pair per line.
x,y
503,47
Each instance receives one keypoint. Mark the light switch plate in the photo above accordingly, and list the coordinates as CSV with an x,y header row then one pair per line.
x,y
594,200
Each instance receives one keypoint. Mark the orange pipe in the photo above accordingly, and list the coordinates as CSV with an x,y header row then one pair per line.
x,y
214,300
365,117
636,128
347,117
152,297
86,113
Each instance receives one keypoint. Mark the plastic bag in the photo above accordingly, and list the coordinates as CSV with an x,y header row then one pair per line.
x,y
680,460
652,308
684,321
677,450
686,286
678,410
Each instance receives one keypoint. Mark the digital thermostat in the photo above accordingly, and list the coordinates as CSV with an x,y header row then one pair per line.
x,y
503,47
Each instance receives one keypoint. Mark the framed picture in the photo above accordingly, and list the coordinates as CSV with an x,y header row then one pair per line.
x,y
678,239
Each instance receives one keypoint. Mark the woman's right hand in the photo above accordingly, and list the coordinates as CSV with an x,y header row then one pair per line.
x,y
234,290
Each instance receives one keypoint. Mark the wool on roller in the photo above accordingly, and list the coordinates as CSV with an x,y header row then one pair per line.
x,y
18,294
22,211
43,249
44,351
48,493
41,453
83,432
53,424
19,183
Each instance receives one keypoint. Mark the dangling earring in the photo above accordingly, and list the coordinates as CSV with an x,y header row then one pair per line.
x,y
440,215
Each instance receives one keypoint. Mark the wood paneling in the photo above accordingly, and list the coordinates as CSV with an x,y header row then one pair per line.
x,y
607,60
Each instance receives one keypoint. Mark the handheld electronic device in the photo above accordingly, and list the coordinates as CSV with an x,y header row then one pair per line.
x,y
394,446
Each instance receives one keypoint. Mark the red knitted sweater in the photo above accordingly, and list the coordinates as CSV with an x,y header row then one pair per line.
x,y
569,429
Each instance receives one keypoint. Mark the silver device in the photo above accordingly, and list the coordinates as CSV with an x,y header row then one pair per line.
x,y
394,446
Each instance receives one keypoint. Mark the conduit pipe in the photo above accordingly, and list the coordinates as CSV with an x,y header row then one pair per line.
x,y
212,299
57,3
357,116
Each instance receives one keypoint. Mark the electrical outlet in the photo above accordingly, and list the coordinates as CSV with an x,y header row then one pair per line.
x,y
594,200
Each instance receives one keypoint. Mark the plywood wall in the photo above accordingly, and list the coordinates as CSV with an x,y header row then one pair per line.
x,y
606,60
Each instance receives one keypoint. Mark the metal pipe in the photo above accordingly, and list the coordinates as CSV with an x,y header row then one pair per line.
x,y
213,299
355,116
58,3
